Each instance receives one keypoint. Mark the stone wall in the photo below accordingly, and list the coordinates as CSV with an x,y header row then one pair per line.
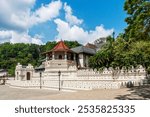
x,y
72,78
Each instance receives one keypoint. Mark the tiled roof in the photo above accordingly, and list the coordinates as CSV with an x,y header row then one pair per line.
x,y
60,47
83,49
40,67
3,70
89,45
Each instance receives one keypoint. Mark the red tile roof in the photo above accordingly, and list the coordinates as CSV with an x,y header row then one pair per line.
x,y
61,47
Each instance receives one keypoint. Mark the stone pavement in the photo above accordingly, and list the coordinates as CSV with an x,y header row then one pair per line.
x,y
9,93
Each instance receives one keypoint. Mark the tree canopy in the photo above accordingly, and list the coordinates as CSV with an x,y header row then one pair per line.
x,y
132,48
11,54
138,19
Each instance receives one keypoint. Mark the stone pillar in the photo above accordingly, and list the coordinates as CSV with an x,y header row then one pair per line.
x,y
53,55
65,55
74,57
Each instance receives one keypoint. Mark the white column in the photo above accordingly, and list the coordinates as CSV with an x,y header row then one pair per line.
x,y
53,55
74,57
65,55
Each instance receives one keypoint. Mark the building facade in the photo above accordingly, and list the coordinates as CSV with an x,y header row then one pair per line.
x,y
67,69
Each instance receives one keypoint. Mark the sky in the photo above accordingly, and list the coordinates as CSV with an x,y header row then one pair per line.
x,y
40,21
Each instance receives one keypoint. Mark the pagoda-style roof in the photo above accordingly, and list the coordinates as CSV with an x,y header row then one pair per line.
x,y
60,47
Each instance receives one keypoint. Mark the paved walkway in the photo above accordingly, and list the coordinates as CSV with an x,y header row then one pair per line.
x,y
9,93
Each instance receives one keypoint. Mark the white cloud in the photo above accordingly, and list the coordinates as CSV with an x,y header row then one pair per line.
x,y
5,36
15,14
71,19
15,37
67,32
24,38
70,29
37,40
47,12
17,17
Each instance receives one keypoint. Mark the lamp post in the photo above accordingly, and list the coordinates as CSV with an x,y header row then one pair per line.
x,y
40,80
59,73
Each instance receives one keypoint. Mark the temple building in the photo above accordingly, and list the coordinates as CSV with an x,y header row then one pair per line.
x,y
62,56
83,55
68,69
60,52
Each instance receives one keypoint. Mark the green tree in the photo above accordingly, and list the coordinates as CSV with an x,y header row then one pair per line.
x,y
72,44
105,56
11,54
131,48
138,19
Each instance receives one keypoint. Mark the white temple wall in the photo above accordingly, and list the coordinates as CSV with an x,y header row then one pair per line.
x,y
21,72
86,60
72,78
59,53
81,62
36,75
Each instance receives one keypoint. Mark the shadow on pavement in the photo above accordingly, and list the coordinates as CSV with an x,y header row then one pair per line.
x,y
137,93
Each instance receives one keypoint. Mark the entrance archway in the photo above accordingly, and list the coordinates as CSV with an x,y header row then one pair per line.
x,y
60,56
28,76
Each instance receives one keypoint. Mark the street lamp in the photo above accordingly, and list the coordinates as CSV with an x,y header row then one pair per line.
x,y
40,80
59,73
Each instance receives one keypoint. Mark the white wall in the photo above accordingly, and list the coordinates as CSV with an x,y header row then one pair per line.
x,y
21,72
86,79
81,60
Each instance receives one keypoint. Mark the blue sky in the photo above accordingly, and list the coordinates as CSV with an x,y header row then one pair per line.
x,y
40,21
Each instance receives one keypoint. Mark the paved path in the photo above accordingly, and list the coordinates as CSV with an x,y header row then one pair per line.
x,y
9,93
